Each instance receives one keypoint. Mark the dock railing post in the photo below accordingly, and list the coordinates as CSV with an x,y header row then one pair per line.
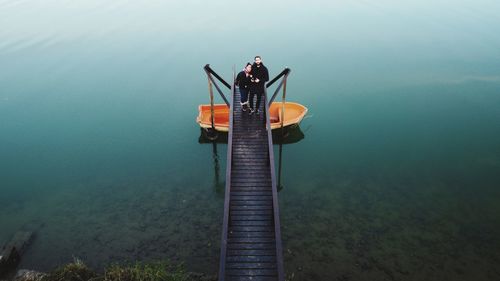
x,y
211,91
283,99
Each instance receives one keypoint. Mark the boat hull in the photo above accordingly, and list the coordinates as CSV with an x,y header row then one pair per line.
x,y
294,113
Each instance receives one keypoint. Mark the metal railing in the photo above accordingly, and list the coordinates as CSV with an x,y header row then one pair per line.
x,y
282,83
211,82
283,74
276,212
225,223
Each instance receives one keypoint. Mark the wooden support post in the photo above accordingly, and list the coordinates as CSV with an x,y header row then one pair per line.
x,y
283,100
279,187
211,91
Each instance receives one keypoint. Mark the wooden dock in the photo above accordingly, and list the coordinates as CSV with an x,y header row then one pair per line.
x,y
251,246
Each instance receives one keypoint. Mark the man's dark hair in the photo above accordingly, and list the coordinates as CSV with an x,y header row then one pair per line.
x,y
257,57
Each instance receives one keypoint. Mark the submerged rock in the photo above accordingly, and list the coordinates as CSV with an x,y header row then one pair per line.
x,y
200,277
29,275
10,253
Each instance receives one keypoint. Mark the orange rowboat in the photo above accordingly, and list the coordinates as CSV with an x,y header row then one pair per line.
x,y
294,113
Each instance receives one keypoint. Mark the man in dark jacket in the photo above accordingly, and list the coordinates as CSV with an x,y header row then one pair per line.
x,y
260,76
243,82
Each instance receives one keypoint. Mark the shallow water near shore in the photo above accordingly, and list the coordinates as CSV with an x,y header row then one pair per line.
x,y
396,177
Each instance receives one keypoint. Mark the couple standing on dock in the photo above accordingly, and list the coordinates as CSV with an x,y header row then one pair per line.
x,y
251,82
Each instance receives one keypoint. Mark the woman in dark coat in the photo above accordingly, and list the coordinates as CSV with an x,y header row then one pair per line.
x,y
243,81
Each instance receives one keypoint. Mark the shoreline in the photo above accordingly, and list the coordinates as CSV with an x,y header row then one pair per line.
x,y
79,271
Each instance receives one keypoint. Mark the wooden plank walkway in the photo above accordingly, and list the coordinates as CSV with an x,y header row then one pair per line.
x,y
251,239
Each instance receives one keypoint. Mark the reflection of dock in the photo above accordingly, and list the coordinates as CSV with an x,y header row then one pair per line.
x,y
291,134
251,246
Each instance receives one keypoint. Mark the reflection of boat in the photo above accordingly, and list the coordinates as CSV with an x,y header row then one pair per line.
x,y
294,113
290,134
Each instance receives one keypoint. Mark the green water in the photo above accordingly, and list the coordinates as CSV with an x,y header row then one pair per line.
x,y
396,178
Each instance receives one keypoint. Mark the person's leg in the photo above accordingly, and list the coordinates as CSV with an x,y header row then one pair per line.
x,y
257,105
243,98
250,100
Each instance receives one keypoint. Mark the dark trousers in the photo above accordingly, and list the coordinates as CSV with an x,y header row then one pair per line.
x,y
244,95
259,97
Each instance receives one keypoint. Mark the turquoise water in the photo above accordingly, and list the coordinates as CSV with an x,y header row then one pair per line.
x,y
396,177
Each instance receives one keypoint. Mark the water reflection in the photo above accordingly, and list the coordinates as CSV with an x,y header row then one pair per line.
x,y
218,184
287,135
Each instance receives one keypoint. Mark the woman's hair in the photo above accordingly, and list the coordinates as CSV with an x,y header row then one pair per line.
x,y
248,64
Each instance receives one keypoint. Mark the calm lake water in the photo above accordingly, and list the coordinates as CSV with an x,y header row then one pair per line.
x,y
397,176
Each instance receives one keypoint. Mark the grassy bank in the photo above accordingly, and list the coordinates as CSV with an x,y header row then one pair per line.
x,y
78,271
